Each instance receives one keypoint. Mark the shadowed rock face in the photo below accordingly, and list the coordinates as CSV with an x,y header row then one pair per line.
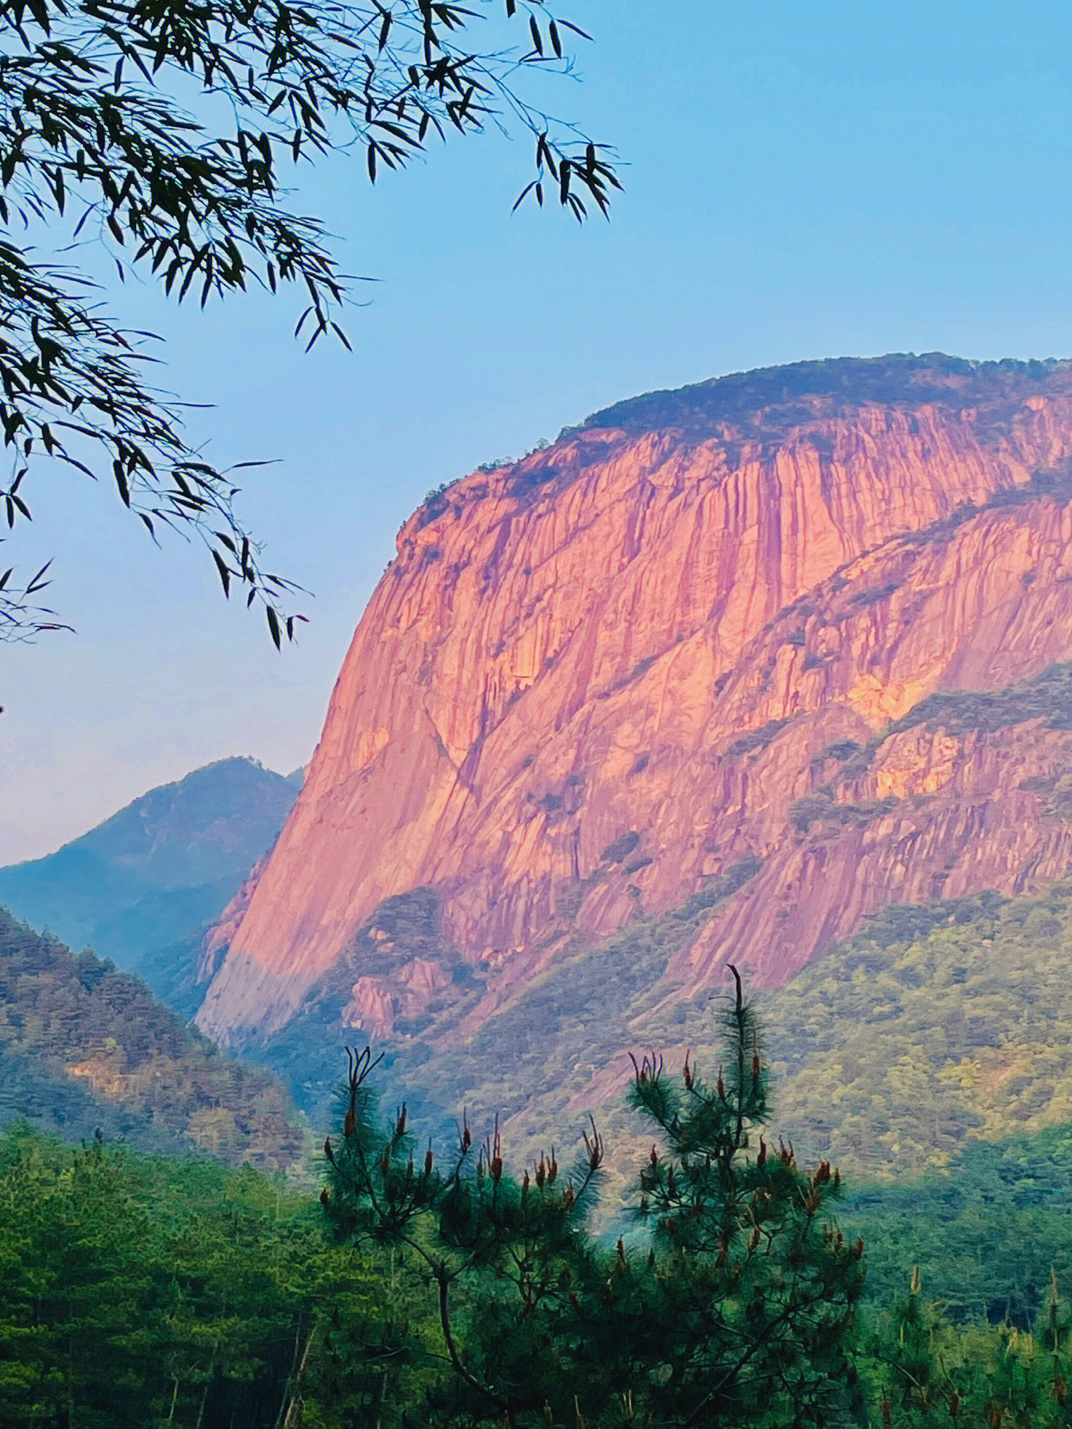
x,y
595,680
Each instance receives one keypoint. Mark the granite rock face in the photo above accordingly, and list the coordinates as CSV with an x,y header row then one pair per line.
x,y
689,634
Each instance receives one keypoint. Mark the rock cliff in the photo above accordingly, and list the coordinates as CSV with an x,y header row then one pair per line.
x,y
686,658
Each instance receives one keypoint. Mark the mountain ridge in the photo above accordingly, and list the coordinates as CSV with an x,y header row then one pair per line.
x,y
887,379
141,886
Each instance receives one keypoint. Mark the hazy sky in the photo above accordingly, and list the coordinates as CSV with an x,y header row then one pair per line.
x,y
804,180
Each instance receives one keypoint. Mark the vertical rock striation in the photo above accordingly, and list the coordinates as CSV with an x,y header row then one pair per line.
x,y
595,680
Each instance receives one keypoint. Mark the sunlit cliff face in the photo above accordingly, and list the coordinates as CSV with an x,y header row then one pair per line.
x,y
594,680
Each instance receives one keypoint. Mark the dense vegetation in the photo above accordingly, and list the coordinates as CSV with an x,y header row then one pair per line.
x,y
443,1292
991,1229
141,1291
933,1025
83,1047
140,888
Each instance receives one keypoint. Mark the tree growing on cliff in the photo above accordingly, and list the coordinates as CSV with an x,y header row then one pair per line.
x,y
165,128
734,1304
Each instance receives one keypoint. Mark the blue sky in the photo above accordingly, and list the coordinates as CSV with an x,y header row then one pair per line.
x,y
802,180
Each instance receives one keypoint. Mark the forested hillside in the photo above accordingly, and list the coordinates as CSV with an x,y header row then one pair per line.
x,y
991,1231
936,1026
84,1047
933,1027
451,1288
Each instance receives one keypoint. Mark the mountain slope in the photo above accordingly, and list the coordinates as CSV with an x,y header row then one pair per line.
x,y
83,1047
649,634
154,874
672,693
935,1025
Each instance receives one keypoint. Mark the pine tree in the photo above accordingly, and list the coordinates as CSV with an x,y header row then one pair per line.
x,y
753,1285
734,1303
507,1261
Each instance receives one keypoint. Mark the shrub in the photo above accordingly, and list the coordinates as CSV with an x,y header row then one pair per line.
x,y
621,848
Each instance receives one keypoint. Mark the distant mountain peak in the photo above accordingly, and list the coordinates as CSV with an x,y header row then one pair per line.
x,y
146,880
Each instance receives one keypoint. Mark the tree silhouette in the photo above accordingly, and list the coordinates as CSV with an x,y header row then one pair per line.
x,y
164,128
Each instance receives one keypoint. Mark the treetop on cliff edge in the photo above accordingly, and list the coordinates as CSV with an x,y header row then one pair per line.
x,y
838,382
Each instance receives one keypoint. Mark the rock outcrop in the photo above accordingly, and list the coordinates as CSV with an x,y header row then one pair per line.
x,y
685,639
